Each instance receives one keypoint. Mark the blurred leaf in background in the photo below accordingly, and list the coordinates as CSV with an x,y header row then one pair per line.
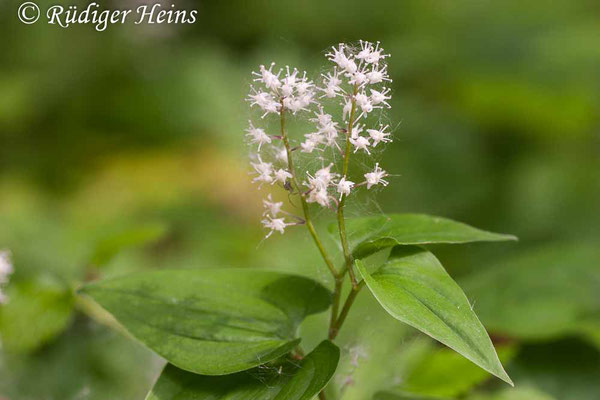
x,y
546,293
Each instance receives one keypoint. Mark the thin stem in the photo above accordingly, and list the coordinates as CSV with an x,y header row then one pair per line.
x,y
336,301
340,210
322,395
305,209
93,311
333,332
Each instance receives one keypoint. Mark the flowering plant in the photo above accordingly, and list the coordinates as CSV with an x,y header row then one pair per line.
x,y
219,328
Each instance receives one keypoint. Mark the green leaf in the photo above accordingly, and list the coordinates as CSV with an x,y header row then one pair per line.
x,y
36,312
368,235
542,294
442,373
291,380
414,288
213,321
107,248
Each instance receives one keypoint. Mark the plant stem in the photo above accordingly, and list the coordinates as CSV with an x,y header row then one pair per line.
x,y
335,329
339,281
305,209
340,209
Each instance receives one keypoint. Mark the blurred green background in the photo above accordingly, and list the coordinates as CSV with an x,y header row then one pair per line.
x,y
123,150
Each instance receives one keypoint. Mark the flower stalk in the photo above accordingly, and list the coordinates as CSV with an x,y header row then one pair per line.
x,y
356,81
305,209
342,202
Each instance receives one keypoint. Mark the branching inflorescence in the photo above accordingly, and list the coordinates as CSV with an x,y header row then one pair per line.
x,y
356,86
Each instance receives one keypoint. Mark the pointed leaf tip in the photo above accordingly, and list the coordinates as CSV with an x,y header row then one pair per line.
x,y
371,234
414,288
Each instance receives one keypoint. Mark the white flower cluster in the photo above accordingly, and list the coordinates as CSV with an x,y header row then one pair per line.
x,y
6,269
357,80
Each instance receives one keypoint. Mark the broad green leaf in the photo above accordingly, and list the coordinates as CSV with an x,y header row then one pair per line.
x,y
415,288
35,313
107,248
542,294
213,321
290,380
370,234
442,373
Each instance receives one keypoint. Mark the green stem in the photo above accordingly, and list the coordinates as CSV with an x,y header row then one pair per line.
x,y
335,329
305,209
339,280
93,311
340,210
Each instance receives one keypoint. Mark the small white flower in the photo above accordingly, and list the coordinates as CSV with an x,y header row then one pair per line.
x,y
329,129
377,75
350,67
322,117
311,142
363,101
380,97
344,187
281,175
332,84
339,57
324,175
264,100
290,78
356,130
329,91
274,224
379,135
309,145
304,85
331,134
257,135
264,170
287,90
366,48
376,177
259,98
270,80
358,78
375,55
315,183
271,207
360,143
303,101
319,196
347,110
